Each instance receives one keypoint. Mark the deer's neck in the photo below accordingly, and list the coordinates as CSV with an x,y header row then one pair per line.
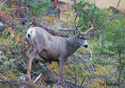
x,y
72,45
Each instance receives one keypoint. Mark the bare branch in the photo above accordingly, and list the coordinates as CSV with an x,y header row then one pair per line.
x,y
38,78
82,82
72,83
118,4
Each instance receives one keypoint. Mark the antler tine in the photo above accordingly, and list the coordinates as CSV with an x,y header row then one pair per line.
x,y
94,21
92,28
79,25
75,22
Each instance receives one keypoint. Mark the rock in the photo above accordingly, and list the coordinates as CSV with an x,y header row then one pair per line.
x,y
1,25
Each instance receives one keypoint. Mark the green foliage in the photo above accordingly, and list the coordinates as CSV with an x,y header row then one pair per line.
x,y
111,45
107,44
113,38
38,8
115,35
86,11
12,55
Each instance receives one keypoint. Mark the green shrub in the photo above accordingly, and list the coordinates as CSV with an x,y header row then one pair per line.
x,y
39,8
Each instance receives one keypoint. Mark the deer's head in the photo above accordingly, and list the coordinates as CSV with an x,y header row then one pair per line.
x,y
82,37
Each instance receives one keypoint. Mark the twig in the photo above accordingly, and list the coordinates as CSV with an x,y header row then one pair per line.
x,y
82,82
3,3
113,74
118,4
74,1
20,19
75,73
90,52
72,83
24,15
38,78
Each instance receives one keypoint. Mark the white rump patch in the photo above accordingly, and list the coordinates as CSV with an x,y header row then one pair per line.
x,y
31,32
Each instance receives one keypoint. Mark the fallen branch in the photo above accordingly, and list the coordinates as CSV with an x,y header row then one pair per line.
x,y
38,78
16,84
82,82
72,83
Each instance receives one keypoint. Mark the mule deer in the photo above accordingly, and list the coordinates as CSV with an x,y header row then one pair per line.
x,y
54,48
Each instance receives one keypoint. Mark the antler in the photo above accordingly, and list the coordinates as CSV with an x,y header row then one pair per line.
x,y
92,27
76,24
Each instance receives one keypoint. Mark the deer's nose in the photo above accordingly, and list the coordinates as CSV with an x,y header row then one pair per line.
x,y
85,46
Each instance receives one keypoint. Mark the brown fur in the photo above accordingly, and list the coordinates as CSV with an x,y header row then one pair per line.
x,y
51,48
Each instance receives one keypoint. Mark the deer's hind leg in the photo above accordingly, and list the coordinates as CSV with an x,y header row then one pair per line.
x,y
35,50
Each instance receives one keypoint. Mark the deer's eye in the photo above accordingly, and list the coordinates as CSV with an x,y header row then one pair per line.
x,y
80,37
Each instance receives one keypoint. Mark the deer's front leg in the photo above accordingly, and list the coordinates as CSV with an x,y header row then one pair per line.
x,y
29,64
61,65
30,57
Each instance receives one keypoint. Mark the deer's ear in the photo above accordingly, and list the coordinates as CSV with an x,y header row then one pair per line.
x,y
90,34
76,32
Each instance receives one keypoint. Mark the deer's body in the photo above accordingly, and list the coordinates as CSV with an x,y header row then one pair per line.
x,y
53,48
49,47
60,47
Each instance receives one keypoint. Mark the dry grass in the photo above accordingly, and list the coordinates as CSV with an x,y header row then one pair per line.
x,y
102,3
107,3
